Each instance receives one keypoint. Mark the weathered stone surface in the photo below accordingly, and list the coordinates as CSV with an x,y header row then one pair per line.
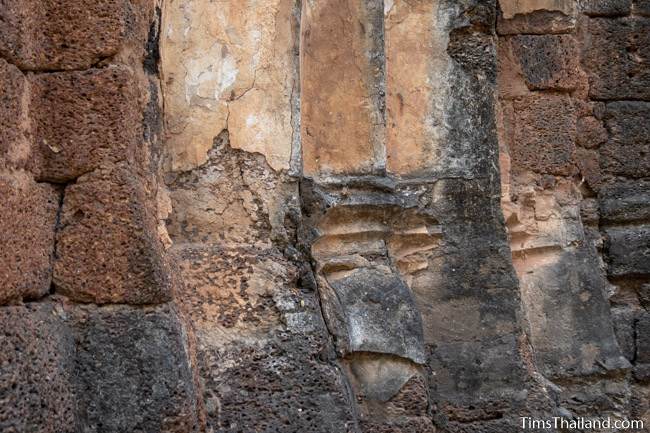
x,y
15,147
547,61
132,372
61,34
627,152
36,370
108,250
627,250
27,223
342,127
642,7
588,162
370,297
625,202
284,385
537,23
416,62
614,58
83,120
544,134
235,293
510,8
229,66
563,295
606,7
642,369
624,320
235,197
591,132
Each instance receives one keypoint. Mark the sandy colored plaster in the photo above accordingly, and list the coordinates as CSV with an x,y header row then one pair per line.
x,y
225,63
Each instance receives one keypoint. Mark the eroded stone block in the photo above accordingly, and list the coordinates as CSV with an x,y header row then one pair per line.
x,y
36,370
281,385
341,124
627,152
511,8
625,201
615,56
369,298
15,147
61,34
416,62
606,7
627,250
540,22
27,223
132,372
544,134
643,339
108,250
547,61
84,119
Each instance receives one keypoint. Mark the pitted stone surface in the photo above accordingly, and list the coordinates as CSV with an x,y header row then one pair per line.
x,y
83,120
61,34
27,224
36,370
108,249
132,371
15,145
615,56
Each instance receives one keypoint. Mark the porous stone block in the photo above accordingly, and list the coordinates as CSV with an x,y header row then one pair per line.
x,y
61,34
511,8
591,132
544,134
537,23
626,201
642,7
36,367
588,162
606,7
27,223
627,152
643,339
132,371
83,119
547,61
15,147
615,58
108,250
282,385
627,251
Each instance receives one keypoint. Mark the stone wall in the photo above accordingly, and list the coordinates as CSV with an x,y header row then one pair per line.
x,y
91,339
573,84
323,216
